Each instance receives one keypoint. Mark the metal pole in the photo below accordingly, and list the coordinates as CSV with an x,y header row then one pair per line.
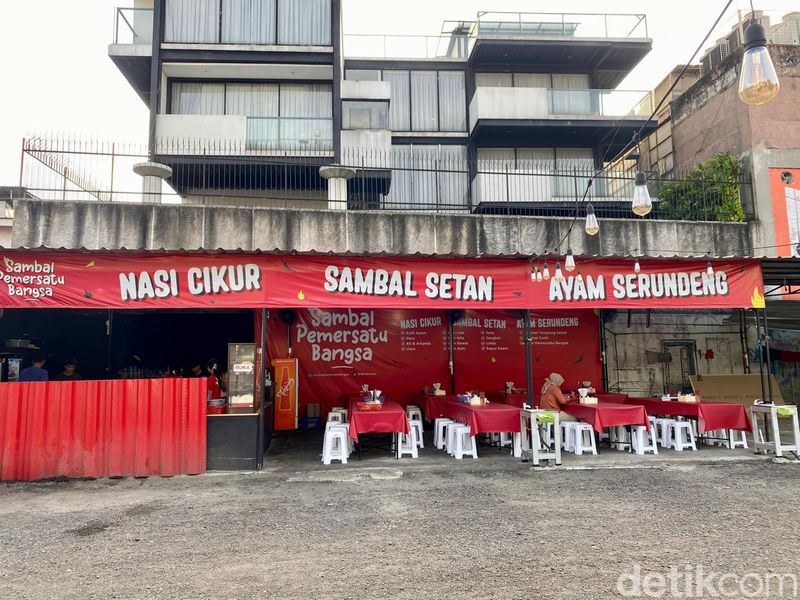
x,y
769,360
760,349
109,334
526,317
261,441
451,350
603,352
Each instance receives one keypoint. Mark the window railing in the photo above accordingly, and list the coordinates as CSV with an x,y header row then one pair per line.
x,y
133,25
604,103
289,133
561,25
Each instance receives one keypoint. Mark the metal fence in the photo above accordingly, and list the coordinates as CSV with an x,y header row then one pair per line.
x,y
407,178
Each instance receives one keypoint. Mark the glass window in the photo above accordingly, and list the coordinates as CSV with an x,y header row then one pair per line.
x,y
362,75
424,104
304,22
428,176
248,100
452,101
198,98
248,21
400,106
494,79
532,80
365,115
192,21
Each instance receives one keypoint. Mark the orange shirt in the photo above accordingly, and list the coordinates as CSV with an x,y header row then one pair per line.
x,y
552,399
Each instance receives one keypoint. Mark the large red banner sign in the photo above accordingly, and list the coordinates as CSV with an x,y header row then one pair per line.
x,y
401,352
239,280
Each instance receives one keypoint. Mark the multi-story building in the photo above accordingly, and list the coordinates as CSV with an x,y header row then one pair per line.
x,y
457,120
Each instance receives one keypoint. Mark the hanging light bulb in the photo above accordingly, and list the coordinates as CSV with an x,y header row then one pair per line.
x,y
546,272
534,271
641,205
592,227
758,82
637,268
569,261
559,275
709,269
579,277
538,276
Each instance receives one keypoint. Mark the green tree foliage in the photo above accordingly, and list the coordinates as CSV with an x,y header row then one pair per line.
x,y
710,192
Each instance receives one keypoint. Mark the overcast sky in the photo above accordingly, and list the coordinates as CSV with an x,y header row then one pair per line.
x,y
57,77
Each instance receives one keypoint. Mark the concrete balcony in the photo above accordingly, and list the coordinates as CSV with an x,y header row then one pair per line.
x,y
132,47
515,116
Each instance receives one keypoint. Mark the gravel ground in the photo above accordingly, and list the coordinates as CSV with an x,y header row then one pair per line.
x,y
382,528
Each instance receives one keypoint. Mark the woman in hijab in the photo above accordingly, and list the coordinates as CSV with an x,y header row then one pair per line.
x,y
552,397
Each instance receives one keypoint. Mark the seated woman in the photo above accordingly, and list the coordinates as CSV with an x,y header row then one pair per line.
x,y
552,397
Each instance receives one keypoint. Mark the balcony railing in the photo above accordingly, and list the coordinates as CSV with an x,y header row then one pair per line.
x,y
561,25
133,26
412,47
605,103
417,179
289,133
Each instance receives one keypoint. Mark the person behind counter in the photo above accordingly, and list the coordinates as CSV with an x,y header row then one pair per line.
x,y
553,398
216,387
197,370
36,371
70,372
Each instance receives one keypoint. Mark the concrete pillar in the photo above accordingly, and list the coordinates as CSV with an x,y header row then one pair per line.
x,y
337,177
153,174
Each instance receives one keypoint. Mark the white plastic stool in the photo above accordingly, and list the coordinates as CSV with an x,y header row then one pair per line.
x,y
452,431
643,440
414,412
416,425
618,436
662,430
583,438
335,445
407,443
465,443
567,442
439,431
506,440
676,437
733,442
335,416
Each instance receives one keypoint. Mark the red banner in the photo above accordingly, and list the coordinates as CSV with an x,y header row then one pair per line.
x,y
400,352
239,280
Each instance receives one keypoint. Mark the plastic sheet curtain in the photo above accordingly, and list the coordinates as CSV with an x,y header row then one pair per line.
x,y
192,21
248,21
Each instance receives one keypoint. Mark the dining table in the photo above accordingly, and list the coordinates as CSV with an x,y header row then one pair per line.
x,y
710,416
515,399
494,417
608,414
388,417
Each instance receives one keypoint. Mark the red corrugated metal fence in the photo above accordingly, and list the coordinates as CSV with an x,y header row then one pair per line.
x,y
131,427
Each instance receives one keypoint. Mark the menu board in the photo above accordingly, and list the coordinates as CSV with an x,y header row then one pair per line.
x,y
403,351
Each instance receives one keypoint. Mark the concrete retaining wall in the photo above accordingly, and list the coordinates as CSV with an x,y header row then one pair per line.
x,y
96,225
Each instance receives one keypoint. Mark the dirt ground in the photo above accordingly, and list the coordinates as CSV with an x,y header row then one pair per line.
x,y
380,528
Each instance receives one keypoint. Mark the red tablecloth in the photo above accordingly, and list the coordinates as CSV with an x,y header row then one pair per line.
x,y
709,415
390,418
490,418
609,397
516,400
608,414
